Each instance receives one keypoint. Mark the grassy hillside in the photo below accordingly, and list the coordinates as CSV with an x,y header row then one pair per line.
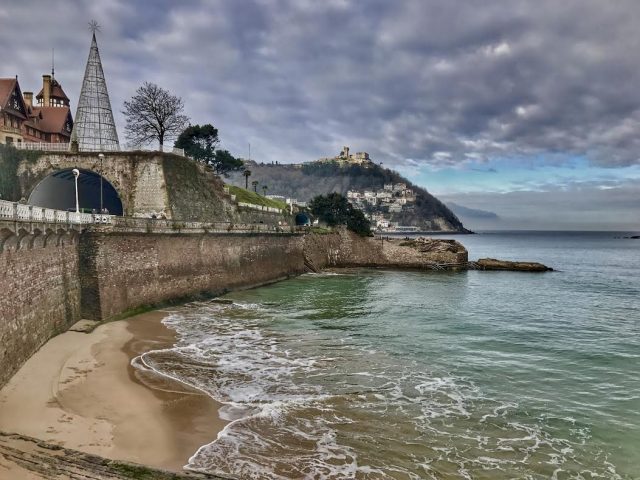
x,y
248,196
311,179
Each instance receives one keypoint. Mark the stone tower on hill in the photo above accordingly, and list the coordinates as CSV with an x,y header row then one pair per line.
x,y
94,128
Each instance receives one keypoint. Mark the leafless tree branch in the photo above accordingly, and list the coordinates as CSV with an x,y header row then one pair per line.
x,y
153,114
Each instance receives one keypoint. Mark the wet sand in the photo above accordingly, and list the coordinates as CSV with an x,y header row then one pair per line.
x,y
80,391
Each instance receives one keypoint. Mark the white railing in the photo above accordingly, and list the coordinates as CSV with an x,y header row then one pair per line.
x,y
64,147
174,150
44,147
259,207
156,148
30,213
161,225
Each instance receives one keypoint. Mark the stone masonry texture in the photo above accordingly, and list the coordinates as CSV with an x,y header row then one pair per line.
x,y
40,297
46,286
123,272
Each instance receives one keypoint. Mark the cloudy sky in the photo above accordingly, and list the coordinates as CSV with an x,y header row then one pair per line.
x,y
529,109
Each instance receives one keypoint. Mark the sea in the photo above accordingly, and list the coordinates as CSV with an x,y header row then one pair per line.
x,y
380,374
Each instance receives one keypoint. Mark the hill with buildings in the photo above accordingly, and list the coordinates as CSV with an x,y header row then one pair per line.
x,y
387,198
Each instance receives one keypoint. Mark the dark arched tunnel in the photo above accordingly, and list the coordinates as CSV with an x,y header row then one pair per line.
x,y
58,191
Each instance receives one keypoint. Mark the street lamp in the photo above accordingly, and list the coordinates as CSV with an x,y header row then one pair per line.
x,y
101,157
76,174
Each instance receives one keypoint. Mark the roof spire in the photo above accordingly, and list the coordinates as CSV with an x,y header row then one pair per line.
x,y
53,63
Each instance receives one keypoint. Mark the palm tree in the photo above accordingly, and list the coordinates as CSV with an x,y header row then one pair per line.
x,y
255,186
264,190
247,174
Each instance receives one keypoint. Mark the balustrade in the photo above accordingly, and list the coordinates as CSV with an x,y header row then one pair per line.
x,y
28,213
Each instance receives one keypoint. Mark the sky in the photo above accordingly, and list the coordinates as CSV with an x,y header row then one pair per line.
x,y
528,109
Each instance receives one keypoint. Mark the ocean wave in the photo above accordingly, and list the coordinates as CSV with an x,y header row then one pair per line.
x,y
314,407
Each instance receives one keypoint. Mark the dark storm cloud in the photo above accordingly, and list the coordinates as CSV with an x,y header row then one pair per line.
x,y
428,81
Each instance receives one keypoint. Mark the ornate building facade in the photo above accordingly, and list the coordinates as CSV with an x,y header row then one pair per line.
x,y
22,121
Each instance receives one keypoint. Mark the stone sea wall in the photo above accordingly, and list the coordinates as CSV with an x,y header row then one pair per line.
x,y
39,298
123,272
48,282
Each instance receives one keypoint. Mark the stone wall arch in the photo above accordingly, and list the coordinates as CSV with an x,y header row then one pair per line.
x,y
57,191
116,168
25,240
39,239
7,240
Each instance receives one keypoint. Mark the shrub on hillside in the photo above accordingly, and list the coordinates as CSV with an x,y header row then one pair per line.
x,y
334,209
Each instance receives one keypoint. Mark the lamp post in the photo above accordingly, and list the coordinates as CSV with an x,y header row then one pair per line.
x,y
101,157
76,174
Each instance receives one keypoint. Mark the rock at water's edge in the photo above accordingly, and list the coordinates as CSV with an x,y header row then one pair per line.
x,y
493,264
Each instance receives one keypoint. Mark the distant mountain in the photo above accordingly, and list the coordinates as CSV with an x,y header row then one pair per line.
x,y
467,212
307,180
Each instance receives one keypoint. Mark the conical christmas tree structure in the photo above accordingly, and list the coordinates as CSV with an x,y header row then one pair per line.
x,y
94,128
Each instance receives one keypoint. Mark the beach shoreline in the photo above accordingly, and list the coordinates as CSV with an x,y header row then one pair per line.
x,y
80,391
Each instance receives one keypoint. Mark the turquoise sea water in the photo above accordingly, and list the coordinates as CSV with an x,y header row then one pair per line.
x,y
441,375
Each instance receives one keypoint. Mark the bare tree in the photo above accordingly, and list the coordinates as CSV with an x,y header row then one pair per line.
x,y
153,114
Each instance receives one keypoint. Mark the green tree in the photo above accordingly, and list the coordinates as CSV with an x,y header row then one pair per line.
x,y
226,163
335,209
199,142
264,190
255,186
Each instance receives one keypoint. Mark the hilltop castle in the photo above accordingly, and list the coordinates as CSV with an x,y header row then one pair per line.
x,y
346,158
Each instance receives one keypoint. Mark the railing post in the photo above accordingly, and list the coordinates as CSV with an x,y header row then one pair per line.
x,y
15,212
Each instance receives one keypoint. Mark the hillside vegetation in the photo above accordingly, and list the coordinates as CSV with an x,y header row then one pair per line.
x,y
247,196
311,179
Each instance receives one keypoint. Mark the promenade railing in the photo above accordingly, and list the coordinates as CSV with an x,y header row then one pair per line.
x,y
160,225
20,212
64,147
263,208
43,147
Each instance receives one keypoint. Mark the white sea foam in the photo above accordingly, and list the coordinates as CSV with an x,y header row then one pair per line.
x,y
311,408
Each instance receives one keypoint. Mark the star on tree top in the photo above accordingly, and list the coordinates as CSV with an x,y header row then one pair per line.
x,y
94,27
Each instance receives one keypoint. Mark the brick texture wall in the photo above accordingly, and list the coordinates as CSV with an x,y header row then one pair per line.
x,y
122,272
40,297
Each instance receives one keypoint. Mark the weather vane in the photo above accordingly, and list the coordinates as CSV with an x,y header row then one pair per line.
x,y
94,27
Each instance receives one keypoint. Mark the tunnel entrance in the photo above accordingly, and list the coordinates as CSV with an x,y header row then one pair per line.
x,y
58,191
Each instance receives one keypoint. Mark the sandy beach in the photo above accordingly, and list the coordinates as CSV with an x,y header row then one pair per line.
x,y
80,391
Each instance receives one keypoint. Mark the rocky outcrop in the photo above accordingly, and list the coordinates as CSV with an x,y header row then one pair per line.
x,y
493,264
27,457
342,248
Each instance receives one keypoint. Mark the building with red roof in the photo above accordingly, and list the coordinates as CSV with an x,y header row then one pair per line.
x,y
48,121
